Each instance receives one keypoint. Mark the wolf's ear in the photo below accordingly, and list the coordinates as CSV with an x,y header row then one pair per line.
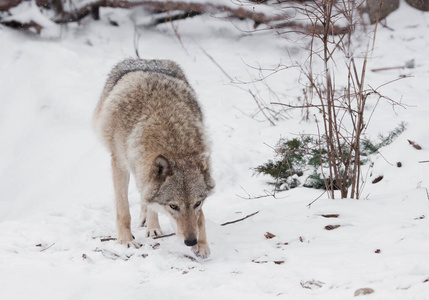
x,y
209,180
205,158
162,168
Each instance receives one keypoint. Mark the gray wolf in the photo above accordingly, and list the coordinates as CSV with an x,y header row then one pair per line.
x,y
149,119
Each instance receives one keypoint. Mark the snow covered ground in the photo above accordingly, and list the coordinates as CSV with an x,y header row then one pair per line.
x,y
56,200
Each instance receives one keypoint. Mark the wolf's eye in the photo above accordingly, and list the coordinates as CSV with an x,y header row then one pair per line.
x,y
174,207
197,204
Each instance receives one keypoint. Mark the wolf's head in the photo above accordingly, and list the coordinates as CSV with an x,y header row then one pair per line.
x,y
181,188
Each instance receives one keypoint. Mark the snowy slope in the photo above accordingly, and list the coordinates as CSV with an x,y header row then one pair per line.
x,y
56,200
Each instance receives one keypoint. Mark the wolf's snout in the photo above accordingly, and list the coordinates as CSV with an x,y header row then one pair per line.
x,y
190,242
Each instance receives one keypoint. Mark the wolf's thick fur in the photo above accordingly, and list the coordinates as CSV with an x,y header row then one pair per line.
x,y
150,121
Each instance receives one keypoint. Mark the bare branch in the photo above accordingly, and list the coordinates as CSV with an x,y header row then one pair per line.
x,y
47,247
239,220
163,236
217,65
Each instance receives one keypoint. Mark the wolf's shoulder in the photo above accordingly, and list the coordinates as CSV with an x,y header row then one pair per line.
x,y
165,67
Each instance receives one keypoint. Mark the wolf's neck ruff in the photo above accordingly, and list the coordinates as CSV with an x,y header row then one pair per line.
x,y
143,65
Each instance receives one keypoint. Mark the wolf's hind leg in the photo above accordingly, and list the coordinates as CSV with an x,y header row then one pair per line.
x,y
121,178
153,228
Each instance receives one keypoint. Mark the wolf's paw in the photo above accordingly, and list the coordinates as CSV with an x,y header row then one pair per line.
x,y
201,250
153,232
129,244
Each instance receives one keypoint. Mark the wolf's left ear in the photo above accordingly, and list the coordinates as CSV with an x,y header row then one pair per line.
x,y
162,168
205,158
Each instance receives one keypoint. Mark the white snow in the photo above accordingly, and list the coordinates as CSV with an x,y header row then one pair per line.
x,y
56,199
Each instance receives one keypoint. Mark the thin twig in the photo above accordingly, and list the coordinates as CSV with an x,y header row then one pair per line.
x,y
47,247
217,65
136,41
387,68
235,221
163,236
267,194
106,239
261,109
424,161
176,33
309,204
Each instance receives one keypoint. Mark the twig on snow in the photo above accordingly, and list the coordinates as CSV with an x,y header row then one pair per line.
x,y
309,204
106,239
163,236
176,33
427,193
239,220
267,194
47,247
217,65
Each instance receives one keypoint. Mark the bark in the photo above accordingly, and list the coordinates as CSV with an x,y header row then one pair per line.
x,y
8,4
419,4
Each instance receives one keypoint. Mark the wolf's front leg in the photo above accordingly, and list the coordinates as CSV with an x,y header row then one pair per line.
x,y
121,178
153,228
143,215
201,249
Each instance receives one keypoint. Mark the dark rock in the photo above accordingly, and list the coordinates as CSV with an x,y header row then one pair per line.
x,y
419,4
377,13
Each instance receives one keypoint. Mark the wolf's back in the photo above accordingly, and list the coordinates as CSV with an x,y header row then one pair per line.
x,y
165,67
149,98
155,66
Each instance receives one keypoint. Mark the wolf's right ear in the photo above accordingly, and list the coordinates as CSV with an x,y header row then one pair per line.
x,y
205,158
162,168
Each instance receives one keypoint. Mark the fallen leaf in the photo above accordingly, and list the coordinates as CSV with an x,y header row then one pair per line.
x,y
269,235
190,257
259,261
415,145
281,244
363,291
332,227
378,179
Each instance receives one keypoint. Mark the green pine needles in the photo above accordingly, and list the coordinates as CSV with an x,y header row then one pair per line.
x,y
302,161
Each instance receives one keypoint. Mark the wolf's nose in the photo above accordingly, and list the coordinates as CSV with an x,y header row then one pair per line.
x,y
190,242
